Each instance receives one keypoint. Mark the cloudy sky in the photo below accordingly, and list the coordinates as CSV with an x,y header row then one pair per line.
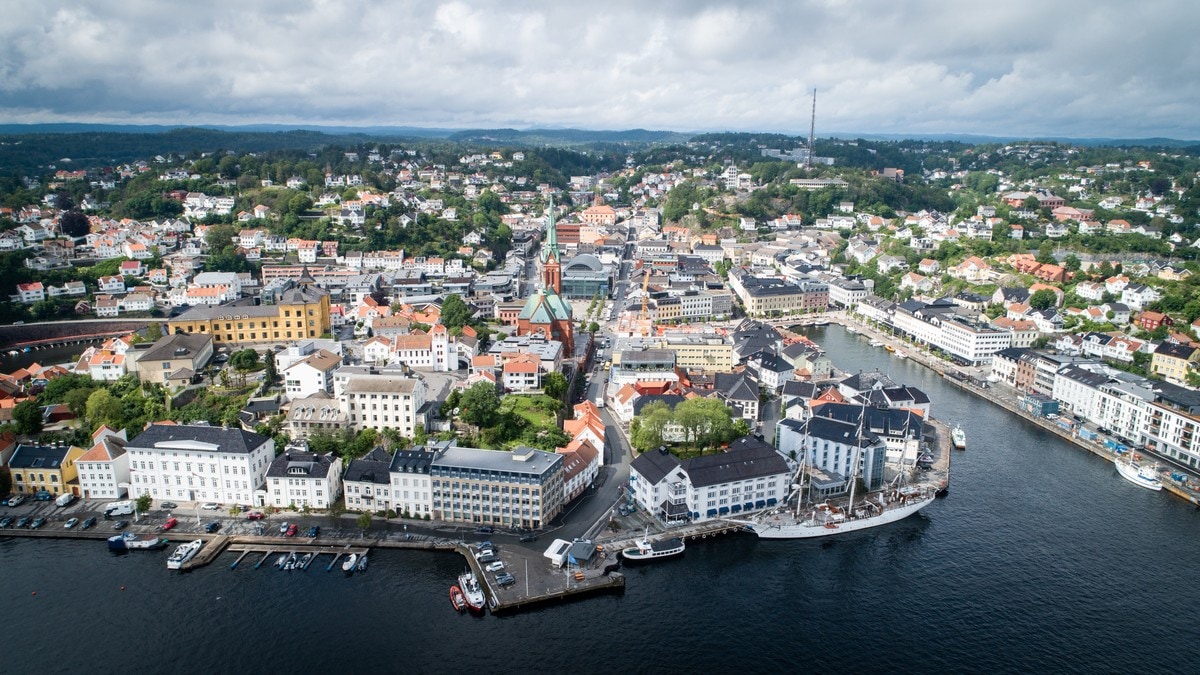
x,y
1103,68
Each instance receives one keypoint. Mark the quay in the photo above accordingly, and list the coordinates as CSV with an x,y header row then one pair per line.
x,y
538,583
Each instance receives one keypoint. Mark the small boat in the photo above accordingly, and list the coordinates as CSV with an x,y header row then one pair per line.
x,y
302,564
362,563
876,343
851,330
959,438
653,550
135,542
457,600
290,564
351,561
901,355
475,598
183,553
889,349
279,562
1138,474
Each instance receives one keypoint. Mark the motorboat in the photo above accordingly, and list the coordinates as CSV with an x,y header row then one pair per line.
x,y
362,563
653,550
183,553
1138,474
351,561
457,600
475,598
959,438
129,541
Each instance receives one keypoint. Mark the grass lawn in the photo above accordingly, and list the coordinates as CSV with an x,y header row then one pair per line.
x,y
540,411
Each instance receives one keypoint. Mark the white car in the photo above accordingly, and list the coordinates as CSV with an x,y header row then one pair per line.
x,y
495,567
211,506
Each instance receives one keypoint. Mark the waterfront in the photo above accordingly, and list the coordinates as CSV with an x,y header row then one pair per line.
x,y
1040,557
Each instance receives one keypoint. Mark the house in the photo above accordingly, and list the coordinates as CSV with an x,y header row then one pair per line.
x,y
200,463
311,374
104,469
929,266
172,360
31,292
1150,321
367,483
302,479
52,468
1138,296
971,269
1173,361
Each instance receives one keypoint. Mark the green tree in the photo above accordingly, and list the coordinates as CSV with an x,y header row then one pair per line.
x,y
646,431
1045,252
593,327
104,408
364,521
1043,299
480,405
1071,263
270,373
555,385
27,416
246,359
144,503
154,332
455,313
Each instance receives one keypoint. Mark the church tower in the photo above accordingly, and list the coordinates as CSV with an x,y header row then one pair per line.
x,y
551,257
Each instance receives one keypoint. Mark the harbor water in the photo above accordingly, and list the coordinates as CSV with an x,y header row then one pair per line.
x,y
1039,558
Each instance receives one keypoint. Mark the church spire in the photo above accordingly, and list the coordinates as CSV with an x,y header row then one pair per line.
x,y
550,247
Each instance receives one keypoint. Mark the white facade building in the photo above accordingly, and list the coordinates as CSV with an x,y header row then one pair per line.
x,y
199,463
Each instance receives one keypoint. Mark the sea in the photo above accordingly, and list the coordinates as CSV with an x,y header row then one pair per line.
x,y
1039,559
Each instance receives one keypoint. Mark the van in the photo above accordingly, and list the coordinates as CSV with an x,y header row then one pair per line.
x,y
64,500
118,509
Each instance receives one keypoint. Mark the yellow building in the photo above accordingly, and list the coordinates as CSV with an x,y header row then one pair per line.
x,y
45,467
707,352
1172,361
298,313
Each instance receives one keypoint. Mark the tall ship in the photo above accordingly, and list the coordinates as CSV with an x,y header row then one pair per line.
x,y
183,553
129,541
1138,474
471,591
798,518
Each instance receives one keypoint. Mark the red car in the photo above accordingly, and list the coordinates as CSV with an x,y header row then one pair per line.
x,y
291,531
171,522
254,515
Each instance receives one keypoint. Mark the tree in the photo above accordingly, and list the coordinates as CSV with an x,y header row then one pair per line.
x,y
593,327
364,522
154,332
555,385
455,313
144,502
270,373
74,224
1043,299
1071,263
220,236
480,405
1045,252
104,408
28,417
246,359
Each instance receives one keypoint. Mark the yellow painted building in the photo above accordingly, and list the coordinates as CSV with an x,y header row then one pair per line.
x,y
299,313
51,468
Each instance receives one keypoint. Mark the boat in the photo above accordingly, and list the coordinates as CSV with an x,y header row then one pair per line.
x,y
889,348
958,437
135,542
183,553
279,562
901,355
851,330
797,519
876,343
653,550
302,564
351,561
362,563
290,563
457,600
1138,474
472,593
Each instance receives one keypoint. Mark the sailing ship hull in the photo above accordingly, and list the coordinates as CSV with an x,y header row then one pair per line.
x,y
1137,476
789,529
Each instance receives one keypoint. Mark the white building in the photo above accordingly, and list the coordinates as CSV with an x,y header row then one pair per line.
x,y
367,483
299,478
104,469
411,486
382,401
311,374
199,463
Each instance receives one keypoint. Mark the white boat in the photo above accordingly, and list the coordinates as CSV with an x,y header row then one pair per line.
x,y
901,355
362,563
475,598
851,330
302,564
183,553
876,343
135,542
1138,474
351,561
652,550
958,437
279,562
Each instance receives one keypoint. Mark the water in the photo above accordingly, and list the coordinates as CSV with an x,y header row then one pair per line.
x,y
1040,557
46,356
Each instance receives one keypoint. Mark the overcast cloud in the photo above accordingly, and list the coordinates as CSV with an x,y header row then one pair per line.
x,y
1019,67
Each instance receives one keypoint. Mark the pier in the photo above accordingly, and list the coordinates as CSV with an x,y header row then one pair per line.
x,y
538,582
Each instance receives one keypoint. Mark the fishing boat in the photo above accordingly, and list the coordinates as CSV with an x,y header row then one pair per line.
x,y
351,561
457,600
183,553
473,594
362,563
1138,474
645,549
959,438
129,541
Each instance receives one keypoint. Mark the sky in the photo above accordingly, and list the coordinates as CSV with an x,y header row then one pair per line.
x,y
1072,68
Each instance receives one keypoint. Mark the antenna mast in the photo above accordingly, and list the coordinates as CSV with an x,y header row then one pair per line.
x,y
812,130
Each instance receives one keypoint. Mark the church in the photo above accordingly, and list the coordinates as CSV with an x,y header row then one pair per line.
x,y
546,312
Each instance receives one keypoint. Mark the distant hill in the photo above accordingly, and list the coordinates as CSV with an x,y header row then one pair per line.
x,y
568,136
977,139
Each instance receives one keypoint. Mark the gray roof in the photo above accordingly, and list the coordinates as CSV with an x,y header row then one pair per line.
x,y
223,440
838,431
735,387
372,468
894,422
298,464
747,457
38,456
654,465
472,459
412,461
177,346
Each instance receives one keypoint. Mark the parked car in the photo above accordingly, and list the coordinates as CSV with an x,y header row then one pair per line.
x,y
87,524
486,529
167,506
211,506
254,515
484,546
291,530
171,522
16,500
529,537
313,532
505,579
37,522
283,528
212,527
6,521
120,524
42,496
71,523
497,566
23,521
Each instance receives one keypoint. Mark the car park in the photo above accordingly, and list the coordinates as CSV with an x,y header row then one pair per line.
x,y
291,530
120,524
212,527
71,523
87,524
497,566
171,522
